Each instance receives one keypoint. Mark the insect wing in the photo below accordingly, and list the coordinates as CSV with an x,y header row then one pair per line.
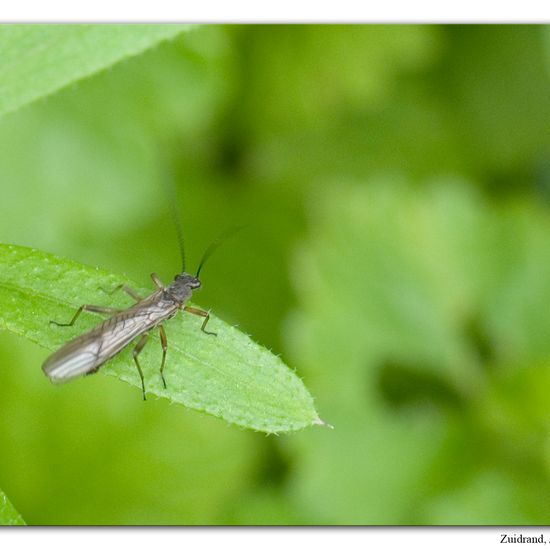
x,y
77,358
86,353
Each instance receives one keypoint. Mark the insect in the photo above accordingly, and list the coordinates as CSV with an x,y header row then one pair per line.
x,y
87,353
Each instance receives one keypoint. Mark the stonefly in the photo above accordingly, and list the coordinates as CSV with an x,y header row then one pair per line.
x,y
87,353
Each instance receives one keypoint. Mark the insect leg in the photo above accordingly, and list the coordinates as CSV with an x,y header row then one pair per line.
x,y
201,313
128,289
87,307
164,343
157,281
137,350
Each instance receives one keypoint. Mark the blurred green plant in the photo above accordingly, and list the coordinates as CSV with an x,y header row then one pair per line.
x,y
230,376
37,60
8,514
448,296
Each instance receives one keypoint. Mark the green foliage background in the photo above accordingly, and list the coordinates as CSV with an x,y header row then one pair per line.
x,y
396,183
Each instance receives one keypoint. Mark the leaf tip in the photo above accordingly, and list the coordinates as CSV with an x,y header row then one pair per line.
x,y
319,422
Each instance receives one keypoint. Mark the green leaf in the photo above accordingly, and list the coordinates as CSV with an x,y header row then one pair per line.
x,y
8,514
228,376
39,59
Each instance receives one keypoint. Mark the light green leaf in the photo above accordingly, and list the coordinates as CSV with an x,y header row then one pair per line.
x,y
228,376
8,514
37,60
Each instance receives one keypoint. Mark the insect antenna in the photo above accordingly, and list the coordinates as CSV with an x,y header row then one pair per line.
x,y
215,244
172,195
